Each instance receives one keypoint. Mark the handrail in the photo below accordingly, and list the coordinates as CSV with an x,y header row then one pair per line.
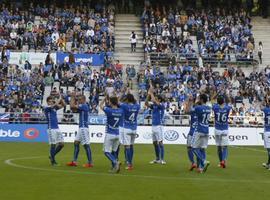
x,y
143,119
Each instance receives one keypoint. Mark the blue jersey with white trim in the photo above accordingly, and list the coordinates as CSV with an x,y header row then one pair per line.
x,y
221,116
193,122
114,116
157,114
266,111
83,115
130,115
203,115
51,116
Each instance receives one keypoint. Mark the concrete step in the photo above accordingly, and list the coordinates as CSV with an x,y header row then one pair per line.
x,y
128,29
124,23
128,58
126,41
127,45
127,54
127,50
120,35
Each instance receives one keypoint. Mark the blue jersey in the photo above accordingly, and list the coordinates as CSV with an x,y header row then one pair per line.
x,y
51,116
266,112
221,116
157,114
203,114
113,120
83,115
130,115
193,122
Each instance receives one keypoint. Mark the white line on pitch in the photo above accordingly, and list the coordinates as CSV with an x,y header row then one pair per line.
x,y
250,149
10,163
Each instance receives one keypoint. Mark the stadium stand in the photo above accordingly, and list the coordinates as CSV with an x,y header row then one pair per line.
x,y
192,42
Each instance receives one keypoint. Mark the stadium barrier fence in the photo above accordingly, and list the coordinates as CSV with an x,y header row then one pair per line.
x,y
143,119
247,136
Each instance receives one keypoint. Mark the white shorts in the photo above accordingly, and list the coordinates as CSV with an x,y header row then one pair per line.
x,y
111,143
55,136
157,133
221,137
83,136
200,140
127,137
121,134
266,138
189,140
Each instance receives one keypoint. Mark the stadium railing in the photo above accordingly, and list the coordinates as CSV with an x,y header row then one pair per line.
x,y
143,119
213,59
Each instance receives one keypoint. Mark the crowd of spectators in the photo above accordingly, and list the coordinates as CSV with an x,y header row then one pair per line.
x,y
22,88
165,32
222,35
246,92
70,27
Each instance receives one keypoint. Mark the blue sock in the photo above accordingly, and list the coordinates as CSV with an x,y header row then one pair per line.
x,y
224,153
197,152
88,153
161,147
203,155
157,150
116,153
128,156
268,151
58,149
111,158
76,152
190,155
131,152
220,153
52,152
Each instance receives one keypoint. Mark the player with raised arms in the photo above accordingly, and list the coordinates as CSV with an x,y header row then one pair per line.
x,y
157,108
111,141
266,135
78,103
189,109
56,139
201,135
131,109
221,113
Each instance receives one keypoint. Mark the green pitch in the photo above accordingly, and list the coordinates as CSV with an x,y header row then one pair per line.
x,y
25,174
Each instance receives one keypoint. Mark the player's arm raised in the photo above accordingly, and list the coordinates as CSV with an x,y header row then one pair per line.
x,y
61,104
73,104
102,104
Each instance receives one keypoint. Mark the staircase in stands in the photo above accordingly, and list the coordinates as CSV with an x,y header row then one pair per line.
x,y
124,25
261,30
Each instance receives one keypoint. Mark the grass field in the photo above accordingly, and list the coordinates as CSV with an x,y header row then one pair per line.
x,y
25,173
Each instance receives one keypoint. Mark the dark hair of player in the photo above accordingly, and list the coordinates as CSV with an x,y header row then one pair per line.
x,y
220,100
114,101
130,98
203,98
159,97
49,98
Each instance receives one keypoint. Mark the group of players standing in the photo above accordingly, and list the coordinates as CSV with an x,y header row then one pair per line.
x,y
121,129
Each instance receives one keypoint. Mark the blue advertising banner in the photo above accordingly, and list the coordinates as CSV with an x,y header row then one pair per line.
x,y
97,119
23,133
94,59
102,119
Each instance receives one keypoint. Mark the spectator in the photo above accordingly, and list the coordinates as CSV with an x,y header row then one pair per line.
x,y
133,41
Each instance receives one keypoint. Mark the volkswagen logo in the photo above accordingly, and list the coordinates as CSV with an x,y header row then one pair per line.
x,y
171,135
